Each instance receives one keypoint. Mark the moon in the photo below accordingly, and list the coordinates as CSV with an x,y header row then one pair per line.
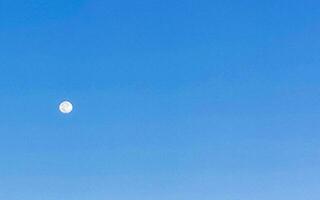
x,y
66,107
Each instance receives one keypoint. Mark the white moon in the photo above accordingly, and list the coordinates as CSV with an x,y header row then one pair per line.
x,y
66,107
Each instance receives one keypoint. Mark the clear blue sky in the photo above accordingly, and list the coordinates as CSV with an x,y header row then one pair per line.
x,y
174,100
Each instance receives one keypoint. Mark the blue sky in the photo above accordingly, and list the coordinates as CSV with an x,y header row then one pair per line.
x,y
172,100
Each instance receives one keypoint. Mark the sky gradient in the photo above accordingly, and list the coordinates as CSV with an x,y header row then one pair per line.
x,y
172,100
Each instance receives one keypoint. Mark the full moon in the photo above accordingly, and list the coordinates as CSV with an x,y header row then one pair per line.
x,y
65,107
